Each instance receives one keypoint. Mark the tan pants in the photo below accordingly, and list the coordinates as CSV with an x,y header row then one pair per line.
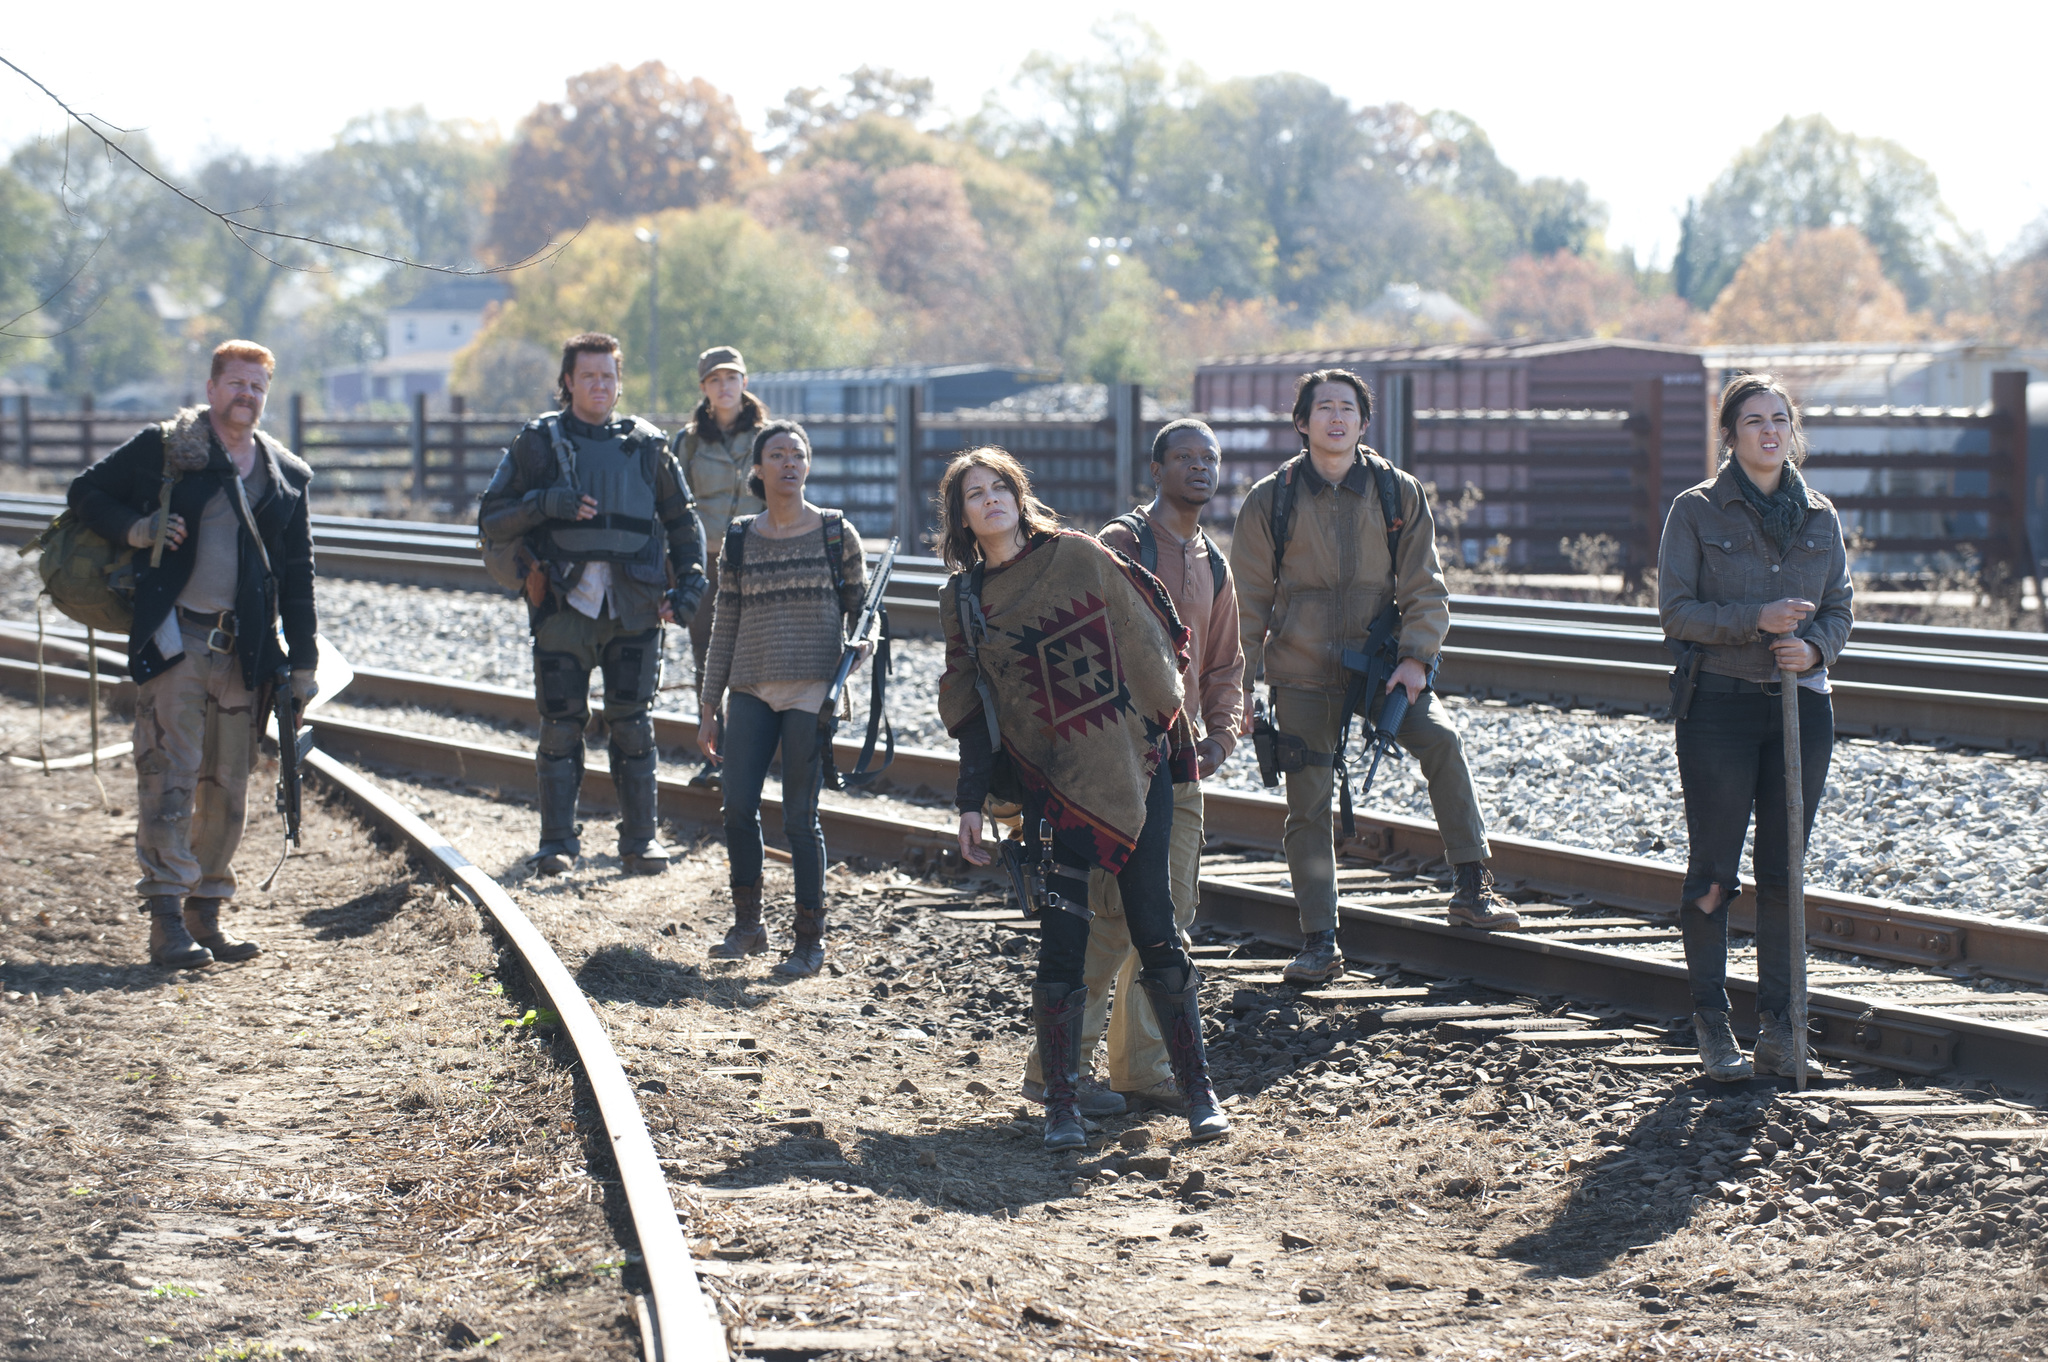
x,y
1316,718
195,744
1137,1054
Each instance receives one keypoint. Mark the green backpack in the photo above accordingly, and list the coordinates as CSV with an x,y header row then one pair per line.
x,y
88,578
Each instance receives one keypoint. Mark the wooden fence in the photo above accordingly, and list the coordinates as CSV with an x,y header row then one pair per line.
x,y
1918,483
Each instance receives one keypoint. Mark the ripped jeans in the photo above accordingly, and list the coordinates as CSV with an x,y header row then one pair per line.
x,y
1731,759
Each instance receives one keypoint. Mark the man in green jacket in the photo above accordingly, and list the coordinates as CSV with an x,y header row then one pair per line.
x,y
716,453
1305,597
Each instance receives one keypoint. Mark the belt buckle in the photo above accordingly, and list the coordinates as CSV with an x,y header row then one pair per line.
x,y
218,638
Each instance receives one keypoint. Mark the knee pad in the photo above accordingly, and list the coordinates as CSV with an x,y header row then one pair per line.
x,y
561,737
632,671
633,735
561,686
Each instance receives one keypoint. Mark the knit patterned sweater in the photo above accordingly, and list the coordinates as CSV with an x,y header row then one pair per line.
x,y
776,620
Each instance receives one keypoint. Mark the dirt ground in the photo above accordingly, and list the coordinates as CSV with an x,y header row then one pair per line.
x,y
336,1149
860,1178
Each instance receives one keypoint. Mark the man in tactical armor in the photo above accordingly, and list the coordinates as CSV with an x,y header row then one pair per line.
x,y
582,492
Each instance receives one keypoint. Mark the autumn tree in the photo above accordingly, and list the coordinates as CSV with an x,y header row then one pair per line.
x,y
808,111
1559,295
1806,174
1827,284
620,143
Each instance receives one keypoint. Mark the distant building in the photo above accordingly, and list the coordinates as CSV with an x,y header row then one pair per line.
x,y
1912,374
870,392
421,339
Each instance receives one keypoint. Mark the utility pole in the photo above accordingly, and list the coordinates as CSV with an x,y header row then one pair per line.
x,y
652,239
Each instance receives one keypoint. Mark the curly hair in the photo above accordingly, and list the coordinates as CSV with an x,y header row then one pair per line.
x,y
954,538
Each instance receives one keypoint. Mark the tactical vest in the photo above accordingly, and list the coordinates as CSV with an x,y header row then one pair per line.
x,y
618,470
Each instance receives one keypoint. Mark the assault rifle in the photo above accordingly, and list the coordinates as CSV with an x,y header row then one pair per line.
x,y
871,612
293,743
1371,667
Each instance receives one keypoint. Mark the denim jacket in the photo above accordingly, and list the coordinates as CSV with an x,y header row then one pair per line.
x,y
1717,569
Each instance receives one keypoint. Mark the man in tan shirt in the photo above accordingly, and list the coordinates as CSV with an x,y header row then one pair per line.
x,y
1166,537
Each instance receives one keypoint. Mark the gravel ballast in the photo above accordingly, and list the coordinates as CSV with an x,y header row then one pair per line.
x,y
1943,829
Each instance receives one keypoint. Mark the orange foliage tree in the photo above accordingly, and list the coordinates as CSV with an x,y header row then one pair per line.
x,y
1826,284
619,144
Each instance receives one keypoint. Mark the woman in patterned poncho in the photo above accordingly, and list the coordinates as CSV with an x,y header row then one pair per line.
x,y
1062,685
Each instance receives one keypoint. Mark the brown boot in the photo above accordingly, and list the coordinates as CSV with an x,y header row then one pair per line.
x,y
807,953
202,920
746,936
169,943
1475,904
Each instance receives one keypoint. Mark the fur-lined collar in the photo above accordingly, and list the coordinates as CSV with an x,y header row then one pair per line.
x,y
188,440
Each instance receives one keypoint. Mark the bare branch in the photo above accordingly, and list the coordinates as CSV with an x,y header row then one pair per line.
x,y
547,252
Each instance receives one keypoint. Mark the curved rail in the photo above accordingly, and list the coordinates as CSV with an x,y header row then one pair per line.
x,y
679,1324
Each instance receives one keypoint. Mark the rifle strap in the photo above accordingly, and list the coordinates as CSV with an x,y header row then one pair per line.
x,y
973,628
1140,526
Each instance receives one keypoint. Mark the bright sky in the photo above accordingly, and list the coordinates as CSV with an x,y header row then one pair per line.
x,y
1644,102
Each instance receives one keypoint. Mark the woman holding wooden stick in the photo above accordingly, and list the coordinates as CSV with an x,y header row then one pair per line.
x,y
1752,581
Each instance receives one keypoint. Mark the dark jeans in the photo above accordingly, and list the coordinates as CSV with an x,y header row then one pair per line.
x,y
1731,759
752,733
1146,883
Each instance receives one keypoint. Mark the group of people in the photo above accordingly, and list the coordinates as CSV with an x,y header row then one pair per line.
x,y
1092,682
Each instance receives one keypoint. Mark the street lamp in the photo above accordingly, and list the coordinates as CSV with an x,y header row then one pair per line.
x,y
652,240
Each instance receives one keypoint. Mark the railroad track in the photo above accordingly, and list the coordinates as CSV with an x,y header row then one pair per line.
x,y
1969,688
1897,986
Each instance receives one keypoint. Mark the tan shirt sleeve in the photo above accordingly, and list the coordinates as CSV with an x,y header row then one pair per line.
x,y
1419,580
1251,571
1220,678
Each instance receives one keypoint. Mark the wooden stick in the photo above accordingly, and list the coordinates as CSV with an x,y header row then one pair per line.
x,y
1795,885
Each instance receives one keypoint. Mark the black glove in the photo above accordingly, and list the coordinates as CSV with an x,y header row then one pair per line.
x,y
685,595
561,503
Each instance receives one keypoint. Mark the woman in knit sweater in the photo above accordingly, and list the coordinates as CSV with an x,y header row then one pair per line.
x,y
776,637
1062,683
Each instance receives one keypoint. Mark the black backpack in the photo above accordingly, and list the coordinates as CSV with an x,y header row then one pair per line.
x,y
1281,521
1140,524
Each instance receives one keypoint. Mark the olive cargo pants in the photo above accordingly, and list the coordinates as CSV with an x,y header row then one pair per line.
x,y
1137,1053
1316,718
195,744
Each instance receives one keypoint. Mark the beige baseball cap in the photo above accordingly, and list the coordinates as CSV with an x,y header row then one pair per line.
x,y
719,357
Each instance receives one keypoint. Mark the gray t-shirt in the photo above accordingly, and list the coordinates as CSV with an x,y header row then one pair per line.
x,y
211,588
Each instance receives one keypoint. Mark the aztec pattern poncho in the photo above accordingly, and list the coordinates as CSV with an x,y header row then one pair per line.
x,y
1084,655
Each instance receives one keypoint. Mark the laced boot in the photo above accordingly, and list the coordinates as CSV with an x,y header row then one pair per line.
x,y
746,936
1773,1053
1319,962
1056,1013
169,943
1719,1054
1475,904
202,920
1176,1000
807,953
561,836
640,851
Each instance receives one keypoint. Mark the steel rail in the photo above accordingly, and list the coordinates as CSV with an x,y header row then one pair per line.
x,y
682,1324
1878,928
1849,1025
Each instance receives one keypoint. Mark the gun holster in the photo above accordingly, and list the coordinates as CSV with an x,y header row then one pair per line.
x,y
1685,677
1039,882
1280,753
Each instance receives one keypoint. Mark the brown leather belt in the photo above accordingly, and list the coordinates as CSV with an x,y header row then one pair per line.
x,y
219,627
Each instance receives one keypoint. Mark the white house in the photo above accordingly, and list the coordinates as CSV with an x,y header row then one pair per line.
x,y
421,338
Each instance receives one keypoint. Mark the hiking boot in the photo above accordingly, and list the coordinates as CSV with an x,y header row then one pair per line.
x,y
746,936
1719,1054
1165,1095
1319,962
1175,993
1773,1053
1091,1095
1056,1015
1475,904
202,920
552,862
807,952
170,944
651,859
